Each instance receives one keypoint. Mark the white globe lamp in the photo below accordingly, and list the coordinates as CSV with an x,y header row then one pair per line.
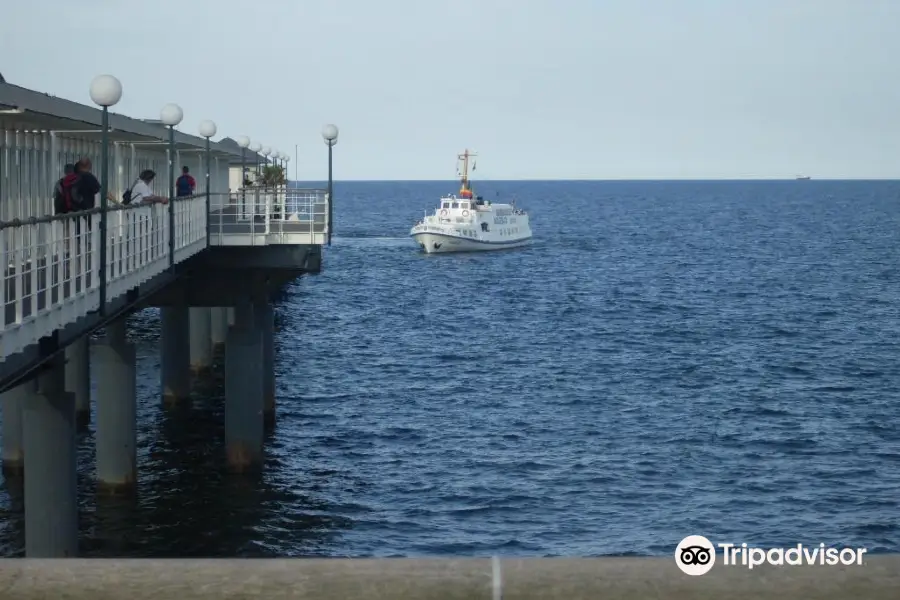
x,y
106,91
171,115
330,134
207,128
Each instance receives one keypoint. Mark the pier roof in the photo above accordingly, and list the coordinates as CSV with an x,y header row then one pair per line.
x,y
25,108
250,156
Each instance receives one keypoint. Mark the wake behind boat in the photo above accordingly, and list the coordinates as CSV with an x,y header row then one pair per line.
x,y
469,223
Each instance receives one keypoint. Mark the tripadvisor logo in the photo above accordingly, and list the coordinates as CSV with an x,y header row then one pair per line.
x,y
696,555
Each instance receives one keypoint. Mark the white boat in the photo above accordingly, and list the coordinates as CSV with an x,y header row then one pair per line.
x,y
469,223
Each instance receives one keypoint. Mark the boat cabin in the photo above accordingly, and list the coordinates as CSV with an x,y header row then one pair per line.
x,y
463,203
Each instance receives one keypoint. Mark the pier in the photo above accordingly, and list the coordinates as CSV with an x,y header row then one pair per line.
x,y
211,261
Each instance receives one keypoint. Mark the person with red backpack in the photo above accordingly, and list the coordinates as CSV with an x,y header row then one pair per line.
x,y
78,188
62,192
86,187
185,185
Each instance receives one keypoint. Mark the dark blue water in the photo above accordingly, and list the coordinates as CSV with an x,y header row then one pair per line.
x,y
668,358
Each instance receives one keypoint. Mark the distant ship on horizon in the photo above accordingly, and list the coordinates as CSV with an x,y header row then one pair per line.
x,y
802,177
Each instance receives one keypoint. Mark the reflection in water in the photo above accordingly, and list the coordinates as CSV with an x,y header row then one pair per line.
x,y
187,504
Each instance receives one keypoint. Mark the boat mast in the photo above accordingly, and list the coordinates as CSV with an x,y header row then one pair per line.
x,y
464,157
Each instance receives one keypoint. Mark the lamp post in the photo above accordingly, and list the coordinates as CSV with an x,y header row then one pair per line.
x,y
255,147
105,91
171,115
330,135
276,162
287,184
243,141
208,129
266,151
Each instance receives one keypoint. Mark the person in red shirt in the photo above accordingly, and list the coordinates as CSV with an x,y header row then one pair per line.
x,y
185,185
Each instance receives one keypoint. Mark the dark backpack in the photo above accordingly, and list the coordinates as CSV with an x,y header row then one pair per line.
x,y
183,185
126,196
65,196
59,199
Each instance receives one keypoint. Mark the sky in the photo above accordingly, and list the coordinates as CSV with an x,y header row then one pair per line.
x,y
540,89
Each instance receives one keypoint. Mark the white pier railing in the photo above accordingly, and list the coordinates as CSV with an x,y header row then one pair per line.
x,y
52,275
266,216
138,246
49,276
52,272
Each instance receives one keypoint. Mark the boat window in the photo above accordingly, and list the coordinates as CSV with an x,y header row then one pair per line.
x,y
455,205
465,205
445,205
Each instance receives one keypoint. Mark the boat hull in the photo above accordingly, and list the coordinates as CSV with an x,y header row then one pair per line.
x,y
437,243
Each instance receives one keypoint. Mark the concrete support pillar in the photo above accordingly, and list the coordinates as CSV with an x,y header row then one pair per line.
x,y
201,340
78,379
51,500
244,404
218,318
175,354
264,316
116,411
11,404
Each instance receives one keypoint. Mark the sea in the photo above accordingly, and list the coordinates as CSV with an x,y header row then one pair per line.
x,y
668,358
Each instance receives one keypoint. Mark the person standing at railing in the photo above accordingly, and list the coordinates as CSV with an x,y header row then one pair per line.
x,y
141,192
62,203
86,187
185,185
